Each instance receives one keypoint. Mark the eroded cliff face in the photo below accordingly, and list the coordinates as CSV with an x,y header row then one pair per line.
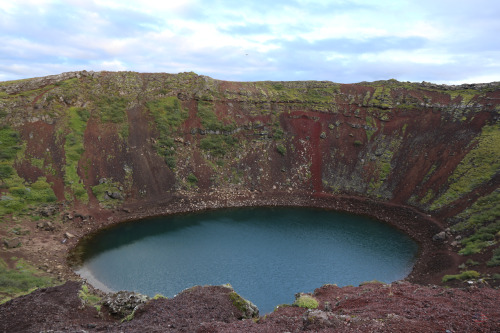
x,y
110,139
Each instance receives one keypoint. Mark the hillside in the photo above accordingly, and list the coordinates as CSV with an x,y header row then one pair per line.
x,y
82,150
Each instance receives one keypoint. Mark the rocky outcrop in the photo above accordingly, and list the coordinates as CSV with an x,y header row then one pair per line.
x,y
124,303
397,307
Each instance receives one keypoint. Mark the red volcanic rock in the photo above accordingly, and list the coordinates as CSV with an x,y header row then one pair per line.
x,y
373,307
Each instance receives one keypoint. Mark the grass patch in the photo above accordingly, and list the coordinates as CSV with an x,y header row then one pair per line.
x,y
20,281
485,210
306,301
209,119
112,109
101,193
482,238
218,145
89,298
18,195
467,275
169,115
281,149
477,167
495,259
73,147
9,143
192,180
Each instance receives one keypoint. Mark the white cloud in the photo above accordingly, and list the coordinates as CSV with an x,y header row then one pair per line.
x,y
284,39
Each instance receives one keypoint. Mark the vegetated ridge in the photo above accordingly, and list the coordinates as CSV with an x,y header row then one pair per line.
x,y
82,150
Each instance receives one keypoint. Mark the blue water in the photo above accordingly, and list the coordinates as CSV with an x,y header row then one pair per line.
x,y
266,254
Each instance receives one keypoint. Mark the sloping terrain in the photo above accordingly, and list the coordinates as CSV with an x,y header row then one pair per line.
x,y
81,150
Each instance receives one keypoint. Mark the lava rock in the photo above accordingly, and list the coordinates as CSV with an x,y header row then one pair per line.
x,y
11,243
439,237
124,303
46,225
318,319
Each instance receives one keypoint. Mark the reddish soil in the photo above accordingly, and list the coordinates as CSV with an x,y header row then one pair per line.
x,y
397,307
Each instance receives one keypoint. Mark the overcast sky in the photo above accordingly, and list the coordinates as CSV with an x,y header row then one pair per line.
x,y
443,41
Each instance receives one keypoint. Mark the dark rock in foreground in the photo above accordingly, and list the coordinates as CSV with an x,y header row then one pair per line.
x,y
397,307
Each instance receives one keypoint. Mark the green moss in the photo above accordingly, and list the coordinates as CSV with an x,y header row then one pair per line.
x,y
495,259
40,192
89,298
112,109
209,119
74,150
477,167
281,149
192,180
428,196
306,301
482,237
241,304
467,275
218,145
484,211
372,124
169,115
21,280
100,192
384,167
18,194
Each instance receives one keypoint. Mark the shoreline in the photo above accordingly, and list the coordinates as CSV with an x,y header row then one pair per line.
x,y
433,258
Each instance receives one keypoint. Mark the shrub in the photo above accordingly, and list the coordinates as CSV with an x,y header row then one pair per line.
x,y
306,301
112,109
21,280
495,259
191,178
218,145
281,149
462,276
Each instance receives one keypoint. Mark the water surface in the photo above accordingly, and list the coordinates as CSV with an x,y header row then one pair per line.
x,y
266,254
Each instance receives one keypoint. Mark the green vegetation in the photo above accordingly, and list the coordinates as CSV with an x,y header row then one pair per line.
x,y
372,123
358,143
19,194
306,301
21,280
169,115
495,259
74,150
477,167
384,166
240,303
483,218
101,193
467,275
218,145
159,296
192,180
483,237
281,149
485,210
209,119
9,144
89,298
39,192
112,109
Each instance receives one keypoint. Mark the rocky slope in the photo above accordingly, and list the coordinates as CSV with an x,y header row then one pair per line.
x,y
82,150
